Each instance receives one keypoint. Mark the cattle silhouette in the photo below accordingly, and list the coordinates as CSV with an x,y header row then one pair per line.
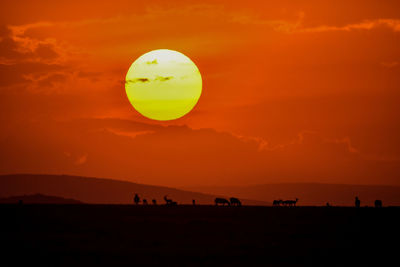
x,y
169,202
235,201
221,201
277,202
378,203
357,202
290,202
136,199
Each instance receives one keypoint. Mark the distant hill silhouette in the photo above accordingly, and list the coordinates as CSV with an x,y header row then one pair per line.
x,y
38,199
311,193
96,190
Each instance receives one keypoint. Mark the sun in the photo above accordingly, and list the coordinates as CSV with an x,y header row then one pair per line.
x,y
163,85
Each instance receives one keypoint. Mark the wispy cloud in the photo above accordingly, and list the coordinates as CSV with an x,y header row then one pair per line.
x,y
163,79
146,80
392,24
389,65
141,80
81,160
154,62
296,26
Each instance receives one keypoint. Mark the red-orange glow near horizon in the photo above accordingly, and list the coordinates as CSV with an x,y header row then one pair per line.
x,y
304,91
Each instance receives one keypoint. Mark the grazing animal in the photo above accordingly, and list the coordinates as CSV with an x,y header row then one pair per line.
x,y
169,202
144,201
378,203
277,202
221,201
290,202
136,199
154,202
235,201
357,202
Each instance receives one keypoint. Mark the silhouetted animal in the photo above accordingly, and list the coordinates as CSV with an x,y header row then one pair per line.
x,y
357,202
235,201
222,201
169,202
154,202
290,202
144,201
378,203
194,202
277,202
136,199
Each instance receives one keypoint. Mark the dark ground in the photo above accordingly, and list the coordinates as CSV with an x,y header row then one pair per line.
x,y
115,235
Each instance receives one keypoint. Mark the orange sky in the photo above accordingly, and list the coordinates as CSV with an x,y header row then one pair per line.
x,y
293,91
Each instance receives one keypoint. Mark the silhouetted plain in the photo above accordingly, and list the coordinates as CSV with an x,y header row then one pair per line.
x,y
187,235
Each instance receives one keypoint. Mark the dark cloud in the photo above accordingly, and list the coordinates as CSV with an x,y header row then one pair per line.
x,y
22,62
163,79
9,76
9,50
145,80
46,51
4,31
88,74
91,75
52,79
154,62
13,51
14,74
141,80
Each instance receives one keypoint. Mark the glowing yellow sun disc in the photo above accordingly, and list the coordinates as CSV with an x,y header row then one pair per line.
x,y
163,85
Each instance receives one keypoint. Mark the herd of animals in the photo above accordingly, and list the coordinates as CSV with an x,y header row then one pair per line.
x,y
281,202
233,201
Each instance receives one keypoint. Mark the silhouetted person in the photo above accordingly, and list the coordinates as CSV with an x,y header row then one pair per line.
x,y
154,202
194,202
136,199
144,201
327,204
20,202
378,203
357,202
